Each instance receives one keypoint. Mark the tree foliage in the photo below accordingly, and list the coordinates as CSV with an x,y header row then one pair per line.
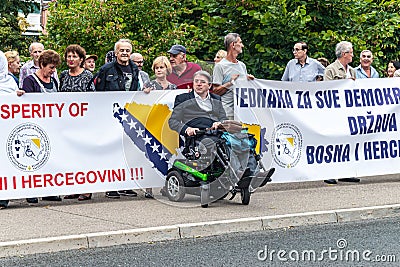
x,y
97,25
11,25
269,28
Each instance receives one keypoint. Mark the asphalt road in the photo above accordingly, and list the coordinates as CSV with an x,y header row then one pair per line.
x,y
364,243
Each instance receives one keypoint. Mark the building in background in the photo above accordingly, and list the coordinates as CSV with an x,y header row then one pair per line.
x,y
38,18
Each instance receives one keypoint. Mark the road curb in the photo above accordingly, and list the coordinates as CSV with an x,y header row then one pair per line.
x,y
192,230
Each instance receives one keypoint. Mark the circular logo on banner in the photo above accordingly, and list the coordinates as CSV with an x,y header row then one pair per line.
x,y
28,147
286,145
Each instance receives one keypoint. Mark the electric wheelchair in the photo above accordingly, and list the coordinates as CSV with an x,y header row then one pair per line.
x,y
216,163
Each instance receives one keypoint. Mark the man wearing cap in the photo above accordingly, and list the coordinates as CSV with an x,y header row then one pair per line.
x,y
182,71
90,62
143,76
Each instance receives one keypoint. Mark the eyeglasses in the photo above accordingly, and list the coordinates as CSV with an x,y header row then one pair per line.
x,y
139,62
200,81
295,50
367,56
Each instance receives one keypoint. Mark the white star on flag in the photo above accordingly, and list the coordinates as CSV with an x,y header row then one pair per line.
x,y
116,109
139,132
132,124
162,155
124,117
155,147
146,140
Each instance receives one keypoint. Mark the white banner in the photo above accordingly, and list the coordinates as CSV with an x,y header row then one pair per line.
x,y
322,130
67,143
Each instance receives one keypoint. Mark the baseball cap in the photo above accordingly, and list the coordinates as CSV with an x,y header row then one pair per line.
x,y
91,56
176,49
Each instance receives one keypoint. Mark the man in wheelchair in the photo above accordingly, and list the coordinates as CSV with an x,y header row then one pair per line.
x,y
200,117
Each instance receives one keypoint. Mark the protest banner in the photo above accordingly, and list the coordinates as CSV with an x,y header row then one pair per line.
x,y
67,143
322,130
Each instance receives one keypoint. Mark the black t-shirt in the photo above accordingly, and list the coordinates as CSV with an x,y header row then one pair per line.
x,y
127,72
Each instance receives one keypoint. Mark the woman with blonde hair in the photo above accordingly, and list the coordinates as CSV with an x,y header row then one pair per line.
x,y
14,64
162,68
219,56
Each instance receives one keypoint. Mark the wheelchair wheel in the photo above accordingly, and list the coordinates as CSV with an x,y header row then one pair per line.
x,y
245,194
175,186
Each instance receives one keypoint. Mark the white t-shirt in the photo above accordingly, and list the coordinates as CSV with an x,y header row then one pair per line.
x,y
222,74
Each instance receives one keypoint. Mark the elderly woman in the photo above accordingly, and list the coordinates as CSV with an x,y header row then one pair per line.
x,y
14,64
219,56
162,68
76,78
7,85
392,67
42,81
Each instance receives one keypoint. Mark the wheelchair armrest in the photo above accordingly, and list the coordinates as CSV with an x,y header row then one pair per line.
x,y
231,126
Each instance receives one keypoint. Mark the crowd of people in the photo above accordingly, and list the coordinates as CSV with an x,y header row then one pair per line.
x,y
123,71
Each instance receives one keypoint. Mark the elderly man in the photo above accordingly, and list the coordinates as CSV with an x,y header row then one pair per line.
x,y
90,62
340,69
365,70
302,68
30,67
143,76
182,70
228,70
199,109
119,75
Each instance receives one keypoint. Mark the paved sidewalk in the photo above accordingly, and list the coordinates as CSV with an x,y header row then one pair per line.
x,y
49,226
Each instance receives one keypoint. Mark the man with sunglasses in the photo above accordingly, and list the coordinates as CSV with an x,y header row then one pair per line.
x,y
365,70
143,76
182,70
302,68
